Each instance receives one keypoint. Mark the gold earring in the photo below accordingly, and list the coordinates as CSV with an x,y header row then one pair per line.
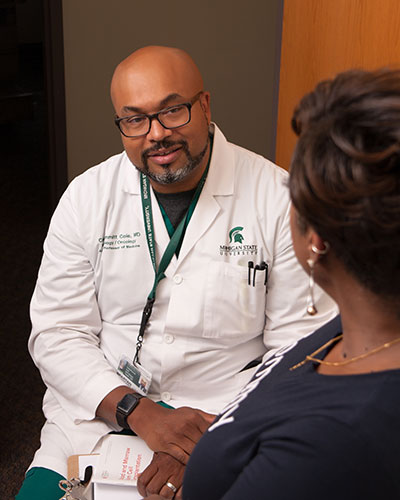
x,y
311,309
320,251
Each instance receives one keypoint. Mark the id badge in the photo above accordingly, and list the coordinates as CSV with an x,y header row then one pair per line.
x,y
134,375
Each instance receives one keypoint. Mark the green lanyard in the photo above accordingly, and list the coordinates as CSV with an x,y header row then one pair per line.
x,y
173,245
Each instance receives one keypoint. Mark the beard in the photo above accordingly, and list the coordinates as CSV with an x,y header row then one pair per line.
x,y
170,176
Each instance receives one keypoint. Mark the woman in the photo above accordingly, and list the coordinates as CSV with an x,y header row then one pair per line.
x,y
325,422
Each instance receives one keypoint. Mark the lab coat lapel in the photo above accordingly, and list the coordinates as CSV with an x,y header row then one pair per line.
x,y
204,215
160,231
220,182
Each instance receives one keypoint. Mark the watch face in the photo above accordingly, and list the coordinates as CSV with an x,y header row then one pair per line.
x,y
128,403
125,407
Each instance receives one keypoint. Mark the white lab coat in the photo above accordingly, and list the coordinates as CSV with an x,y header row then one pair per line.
x,y
207,322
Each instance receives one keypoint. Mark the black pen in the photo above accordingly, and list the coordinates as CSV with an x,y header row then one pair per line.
x,y
250,265
264,267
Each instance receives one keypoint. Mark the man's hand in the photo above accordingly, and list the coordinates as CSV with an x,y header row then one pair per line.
x,y
162,469
154,497
171,431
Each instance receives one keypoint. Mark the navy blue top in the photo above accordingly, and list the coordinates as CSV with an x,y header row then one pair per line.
x,y
299,435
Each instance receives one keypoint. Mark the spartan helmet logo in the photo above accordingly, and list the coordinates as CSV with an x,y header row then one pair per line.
x,y
234,234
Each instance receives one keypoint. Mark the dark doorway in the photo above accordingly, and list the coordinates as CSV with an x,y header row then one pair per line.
x,y
33,174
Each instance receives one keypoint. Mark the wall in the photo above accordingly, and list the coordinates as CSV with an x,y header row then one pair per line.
x,y
236,46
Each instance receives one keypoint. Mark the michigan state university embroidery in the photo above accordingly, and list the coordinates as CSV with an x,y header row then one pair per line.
x,y
236,246
236,234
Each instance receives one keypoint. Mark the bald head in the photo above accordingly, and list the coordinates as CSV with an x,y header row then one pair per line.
x,y
152,69
152,86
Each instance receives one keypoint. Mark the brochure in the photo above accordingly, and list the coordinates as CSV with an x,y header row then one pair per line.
x,y
121,460
116,469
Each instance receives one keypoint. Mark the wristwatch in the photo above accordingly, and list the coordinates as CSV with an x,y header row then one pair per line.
x,y
125,407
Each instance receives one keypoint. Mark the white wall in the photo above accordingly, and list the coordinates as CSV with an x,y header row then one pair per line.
x,y
235,44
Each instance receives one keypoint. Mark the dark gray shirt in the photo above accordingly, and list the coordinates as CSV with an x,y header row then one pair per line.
x,y
175,204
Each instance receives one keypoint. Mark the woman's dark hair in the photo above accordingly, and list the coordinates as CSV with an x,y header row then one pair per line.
x,y
345,172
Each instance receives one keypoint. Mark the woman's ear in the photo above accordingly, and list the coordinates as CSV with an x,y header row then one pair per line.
x,y
317,246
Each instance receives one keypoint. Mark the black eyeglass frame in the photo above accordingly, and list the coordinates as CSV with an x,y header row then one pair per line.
x,y
155,116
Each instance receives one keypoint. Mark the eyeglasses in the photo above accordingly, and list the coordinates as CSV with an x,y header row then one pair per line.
x,y
170,118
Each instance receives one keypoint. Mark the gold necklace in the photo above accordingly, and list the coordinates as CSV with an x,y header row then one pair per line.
x,y
311,357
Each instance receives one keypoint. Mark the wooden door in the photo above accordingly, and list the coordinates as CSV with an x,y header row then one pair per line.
x,y
323,37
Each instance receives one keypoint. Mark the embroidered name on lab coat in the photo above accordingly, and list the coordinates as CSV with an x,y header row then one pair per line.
x,y
119,241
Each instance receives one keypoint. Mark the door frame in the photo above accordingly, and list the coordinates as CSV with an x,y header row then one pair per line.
x,y
55,97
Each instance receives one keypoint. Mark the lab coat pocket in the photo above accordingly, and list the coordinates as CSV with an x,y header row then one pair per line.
x,y
232,306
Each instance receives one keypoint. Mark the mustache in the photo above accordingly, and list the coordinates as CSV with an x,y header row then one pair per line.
x,y
165,144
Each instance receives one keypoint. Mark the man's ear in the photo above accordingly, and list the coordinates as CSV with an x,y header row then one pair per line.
x,y
205,103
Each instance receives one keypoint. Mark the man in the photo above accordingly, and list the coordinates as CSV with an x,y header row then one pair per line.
x,y
219,294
